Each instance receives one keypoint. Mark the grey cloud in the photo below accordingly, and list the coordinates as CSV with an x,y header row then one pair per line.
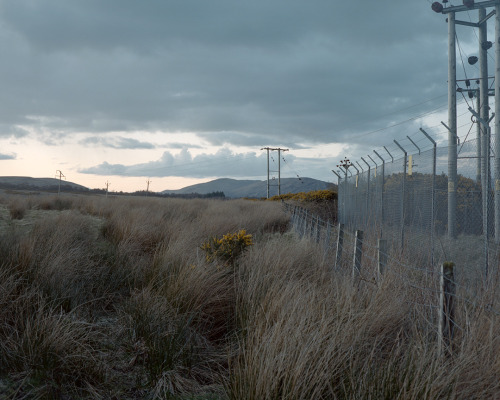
x,y
223,163
7,156
282,72
12,131
179,145
117,142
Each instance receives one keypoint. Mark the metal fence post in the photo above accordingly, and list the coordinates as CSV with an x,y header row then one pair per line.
x,y
367,206
375,188
327,235
305,223
358,254
340,190
403,195
381,256
340,245
313,227
318,230
382,194
486,182
433,194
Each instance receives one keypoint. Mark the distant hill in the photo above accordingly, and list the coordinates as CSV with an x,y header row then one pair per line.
x,y
27,183
253,188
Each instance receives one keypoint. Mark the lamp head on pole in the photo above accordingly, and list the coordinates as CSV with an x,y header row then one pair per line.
x,y
437,7
472,60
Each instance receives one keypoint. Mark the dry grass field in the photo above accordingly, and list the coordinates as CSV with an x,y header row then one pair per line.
x,y
115,298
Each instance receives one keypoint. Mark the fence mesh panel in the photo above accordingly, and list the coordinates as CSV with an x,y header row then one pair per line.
x,y
405,201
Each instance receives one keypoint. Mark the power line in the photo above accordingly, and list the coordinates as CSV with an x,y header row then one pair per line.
x,y
402,122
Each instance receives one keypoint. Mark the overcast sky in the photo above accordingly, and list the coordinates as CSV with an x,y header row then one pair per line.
x,y
186,91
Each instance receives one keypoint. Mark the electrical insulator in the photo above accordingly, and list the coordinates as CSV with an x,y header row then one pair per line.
x,y
437,7
469,3
471,95
472,60
467,83
486,45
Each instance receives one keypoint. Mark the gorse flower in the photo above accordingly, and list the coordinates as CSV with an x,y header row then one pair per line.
x,y
312,196
227,248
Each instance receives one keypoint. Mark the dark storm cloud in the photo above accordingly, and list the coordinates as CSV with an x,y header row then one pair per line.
x,y
283,71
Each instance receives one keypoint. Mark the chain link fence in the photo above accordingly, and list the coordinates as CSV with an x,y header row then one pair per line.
x,y
405,200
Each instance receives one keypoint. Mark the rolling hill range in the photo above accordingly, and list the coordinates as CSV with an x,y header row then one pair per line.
x,y
27,183
232,188
253,188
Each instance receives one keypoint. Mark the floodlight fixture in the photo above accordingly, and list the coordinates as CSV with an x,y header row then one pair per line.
x,y
437,7
486,45
472,60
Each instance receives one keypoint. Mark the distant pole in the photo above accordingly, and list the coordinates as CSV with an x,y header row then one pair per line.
x,y
279,150
107,186
147,187
279,172
267,172
61,175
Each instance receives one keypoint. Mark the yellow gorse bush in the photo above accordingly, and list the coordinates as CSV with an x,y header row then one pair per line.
x,y
227,248
314,195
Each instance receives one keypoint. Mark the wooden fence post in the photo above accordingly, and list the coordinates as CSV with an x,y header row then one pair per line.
x,y
327,237
382,256
358,253
446,328
340,245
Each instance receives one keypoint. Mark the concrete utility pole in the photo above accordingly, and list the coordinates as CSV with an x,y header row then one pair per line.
x,y
484,114
61,175
279,150
452,123
452,96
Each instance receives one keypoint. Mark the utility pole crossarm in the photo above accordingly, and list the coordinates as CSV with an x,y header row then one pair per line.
x,y
483,4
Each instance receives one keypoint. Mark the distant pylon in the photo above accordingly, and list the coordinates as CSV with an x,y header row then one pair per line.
x,y
279,150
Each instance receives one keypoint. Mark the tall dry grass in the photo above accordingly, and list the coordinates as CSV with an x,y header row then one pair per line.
x,y
114,298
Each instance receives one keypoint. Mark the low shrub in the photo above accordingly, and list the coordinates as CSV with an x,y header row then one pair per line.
x,y
312,196
228,248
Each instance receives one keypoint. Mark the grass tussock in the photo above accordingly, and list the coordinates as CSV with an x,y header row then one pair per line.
x,y
115,298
